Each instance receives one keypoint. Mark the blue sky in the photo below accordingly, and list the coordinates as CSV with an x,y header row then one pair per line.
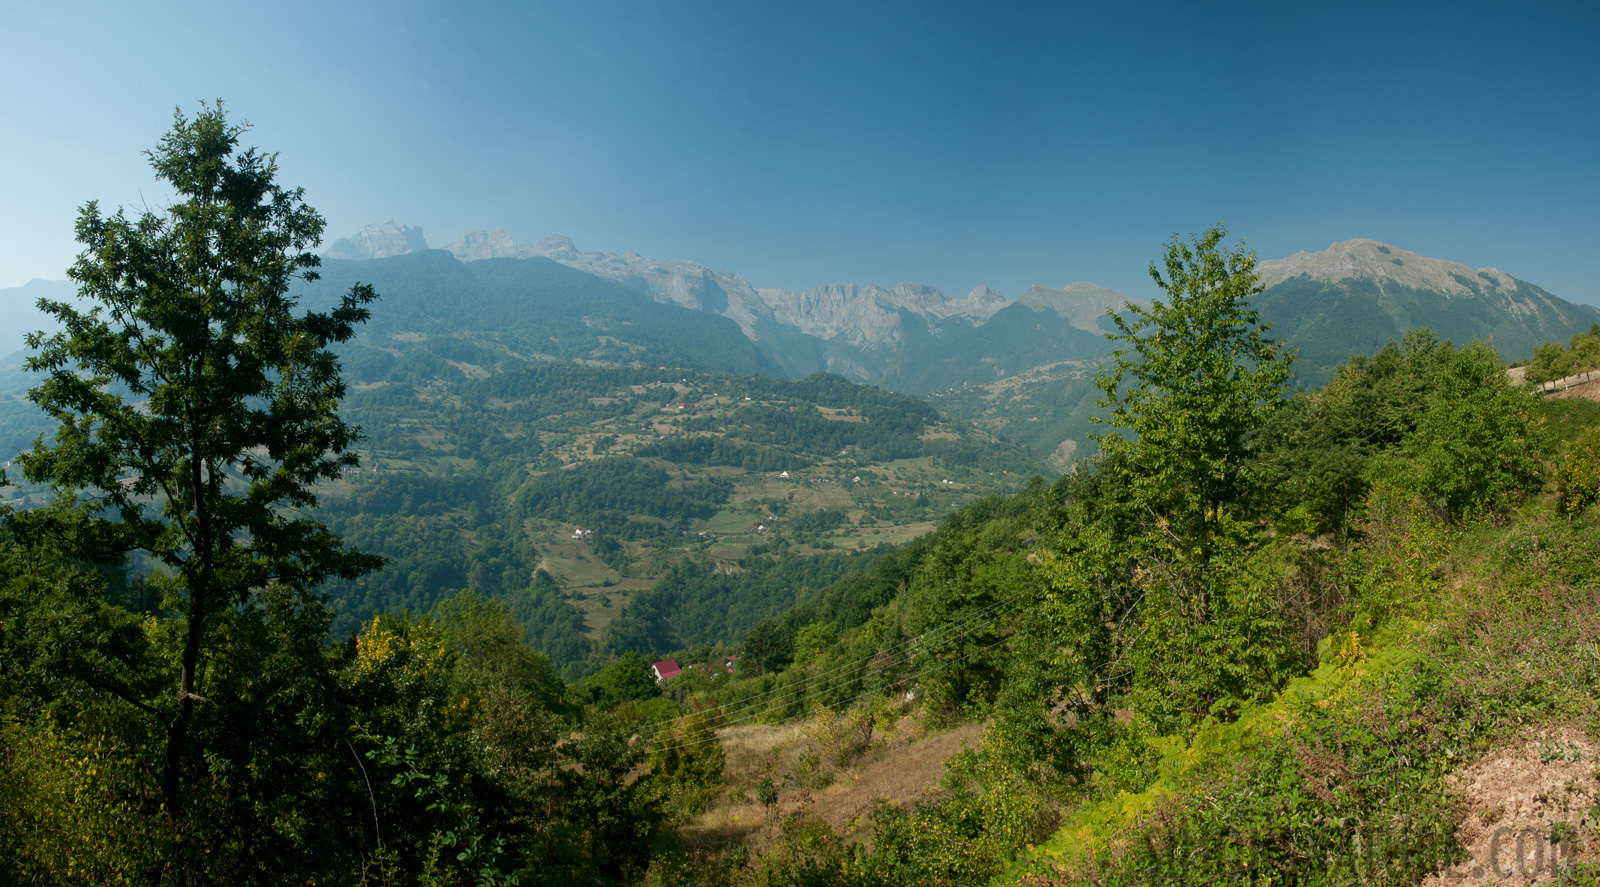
x,y
803,144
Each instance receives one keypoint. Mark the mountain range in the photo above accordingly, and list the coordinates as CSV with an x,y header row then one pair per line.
x,y
1349,298
1022,367
909,336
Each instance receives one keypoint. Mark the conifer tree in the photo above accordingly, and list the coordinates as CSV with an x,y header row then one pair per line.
x,y
196,409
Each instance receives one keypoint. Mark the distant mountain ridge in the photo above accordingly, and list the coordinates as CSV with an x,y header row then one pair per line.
x,y
1362,258
892,335
1356,295
484,315
378,242
1351,298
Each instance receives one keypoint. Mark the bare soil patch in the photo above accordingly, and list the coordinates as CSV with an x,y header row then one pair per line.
x,y
1531,812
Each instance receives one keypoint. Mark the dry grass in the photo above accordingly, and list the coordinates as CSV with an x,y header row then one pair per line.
x,y
1586,390
904,762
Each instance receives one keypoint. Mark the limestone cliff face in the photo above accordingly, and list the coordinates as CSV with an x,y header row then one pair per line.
x,y
378,242
859,331
1351,298
862,316
680,282
1389,269
1384,264
1082,304
476,245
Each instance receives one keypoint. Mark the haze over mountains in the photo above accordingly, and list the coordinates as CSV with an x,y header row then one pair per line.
x,y
1025,368
867,333
19,314
1349,298
1021,367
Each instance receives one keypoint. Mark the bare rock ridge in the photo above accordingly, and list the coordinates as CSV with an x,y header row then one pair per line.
x,y
1355,296
378,242
1082,304
1350,298
1383,264
869,316
1396,275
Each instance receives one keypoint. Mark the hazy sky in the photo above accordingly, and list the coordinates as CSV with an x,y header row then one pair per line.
x,y
808,143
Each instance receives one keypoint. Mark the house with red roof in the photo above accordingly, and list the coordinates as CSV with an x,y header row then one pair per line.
x,y
666,669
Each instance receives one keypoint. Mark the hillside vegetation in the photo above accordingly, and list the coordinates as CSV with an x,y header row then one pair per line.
x,y
1404,589
1349,634
542,436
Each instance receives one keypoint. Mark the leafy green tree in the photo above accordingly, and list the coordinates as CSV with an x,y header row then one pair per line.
x,y
687,759
627,678
1552,361
1478,446
1578,475
1154,588
196,409
1195,378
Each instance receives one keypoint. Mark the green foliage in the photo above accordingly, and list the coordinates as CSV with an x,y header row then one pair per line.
x,y
989,812
472,481
1201,378
1190,623
1477,446
1552,361
628,678
489,647
194,725
972,571
1578,475
194,406
686,759
1442,422
613,494
1345,779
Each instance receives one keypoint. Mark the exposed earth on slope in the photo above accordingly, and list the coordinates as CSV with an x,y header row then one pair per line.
x,y
1525,805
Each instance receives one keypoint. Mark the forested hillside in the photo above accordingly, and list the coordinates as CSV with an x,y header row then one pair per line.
x,y
543,436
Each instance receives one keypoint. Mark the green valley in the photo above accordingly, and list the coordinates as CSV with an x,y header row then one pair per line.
x,y
567,489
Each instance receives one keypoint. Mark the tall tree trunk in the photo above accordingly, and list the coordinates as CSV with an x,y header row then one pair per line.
x,y
198,579
178,729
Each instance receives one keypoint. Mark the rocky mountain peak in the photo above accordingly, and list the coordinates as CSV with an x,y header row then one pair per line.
x,y
480,244
987,295
1081,304
558,243
378,242
1363,259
